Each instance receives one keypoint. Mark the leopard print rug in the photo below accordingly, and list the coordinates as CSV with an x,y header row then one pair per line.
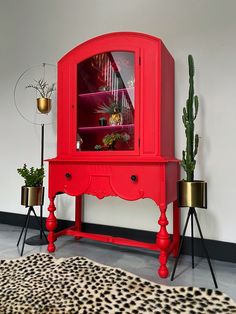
x,y
42,284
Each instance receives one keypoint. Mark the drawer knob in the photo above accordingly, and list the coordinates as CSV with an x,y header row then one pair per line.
x,y
133,178
68,175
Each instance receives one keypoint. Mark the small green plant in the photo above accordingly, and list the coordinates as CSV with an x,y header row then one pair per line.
x,y
190,112
32,176
104,88
43,88
97,147
102,121
110,139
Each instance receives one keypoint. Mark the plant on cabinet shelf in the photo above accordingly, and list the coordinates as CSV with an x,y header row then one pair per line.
x,y
33,191
103,88
102,121
111,139
191,193
45,91
114,109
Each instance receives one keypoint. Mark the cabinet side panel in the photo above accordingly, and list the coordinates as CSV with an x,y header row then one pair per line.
x,y
62,109
172,176
150,100
167,104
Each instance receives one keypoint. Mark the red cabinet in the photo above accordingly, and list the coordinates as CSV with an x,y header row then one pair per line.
x,y
115,131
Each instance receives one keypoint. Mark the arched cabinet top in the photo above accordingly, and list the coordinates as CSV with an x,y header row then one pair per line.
x,y
132,70
129,41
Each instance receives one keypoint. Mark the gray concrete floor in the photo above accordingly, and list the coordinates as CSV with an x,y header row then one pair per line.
x,y
143,263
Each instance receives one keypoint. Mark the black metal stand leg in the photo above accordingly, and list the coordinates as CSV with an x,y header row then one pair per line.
x,y
180,247
205,249
39,239
39,223
22,230
42,157
26,229
192,236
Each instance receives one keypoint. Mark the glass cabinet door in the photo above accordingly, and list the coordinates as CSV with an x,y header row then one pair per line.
x,y
105,103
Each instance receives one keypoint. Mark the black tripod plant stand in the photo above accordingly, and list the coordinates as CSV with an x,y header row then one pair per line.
x,y
25,228
192,213
39,239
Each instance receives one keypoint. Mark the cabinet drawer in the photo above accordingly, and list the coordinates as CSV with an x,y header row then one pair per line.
x,y
69,178
133,182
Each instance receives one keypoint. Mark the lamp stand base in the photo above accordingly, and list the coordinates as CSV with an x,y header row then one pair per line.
x,y
36,240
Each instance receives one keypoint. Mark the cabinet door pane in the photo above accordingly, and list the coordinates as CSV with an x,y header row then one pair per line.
x,y
105,104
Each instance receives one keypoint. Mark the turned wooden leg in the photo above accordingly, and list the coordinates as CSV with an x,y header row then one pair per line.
x,y
163,242
176,228
78,213
51,224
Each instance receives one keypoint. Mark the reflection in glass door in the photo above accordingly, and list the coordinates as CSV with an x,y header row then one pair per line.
x,y
105,104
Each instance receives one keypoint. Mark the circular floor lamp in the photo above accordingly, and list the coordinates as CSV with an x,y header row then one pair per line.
x,y
32,110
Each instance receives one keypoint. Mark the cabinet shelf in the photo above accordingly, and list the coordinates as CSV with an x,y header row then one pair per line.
x,y
108,128
128,90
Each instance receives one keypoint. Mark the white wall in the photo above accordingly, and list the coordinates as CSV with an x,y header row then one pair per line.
x,y
32,32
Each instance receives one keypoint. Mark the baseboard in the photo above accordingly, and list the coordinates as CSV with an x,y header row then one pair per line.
x,y
218,250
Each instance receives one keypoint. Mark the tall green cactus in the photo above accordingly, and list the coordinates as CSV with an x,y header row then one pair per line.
x,y
190,112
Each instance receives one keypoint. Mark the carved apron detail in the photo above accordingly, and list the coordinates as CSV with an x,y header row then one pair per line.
x,y
100,186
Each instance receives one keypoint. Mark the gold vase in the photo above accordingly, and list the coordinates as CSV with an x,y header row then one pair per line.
x,y
32,196
116,119
44,105
192,194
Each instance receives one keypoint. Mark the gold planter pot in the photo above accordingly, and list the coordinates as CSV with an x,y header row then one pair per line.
x,y
32,196
44,105
192,194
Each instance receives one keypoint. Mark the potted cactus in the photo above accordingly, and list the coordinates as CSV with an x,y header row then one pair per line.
x,y
45,92
191,193
32,192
